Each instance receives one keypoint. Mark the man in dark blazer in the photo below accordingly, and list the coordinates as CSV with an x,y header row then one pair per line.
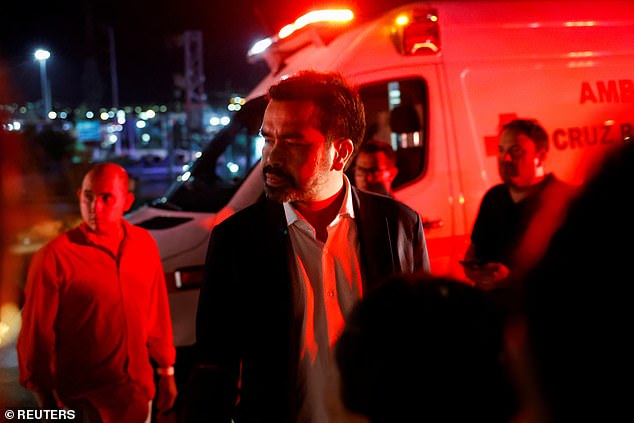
x,y
282,274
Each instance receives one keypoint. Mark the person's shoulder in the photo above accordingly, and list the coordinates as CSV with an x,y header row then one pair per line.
x,y
497,190
257,210
555,186
58,246
64,239
139,240
495,194
137,232
385,203
376,198
553,181
259,214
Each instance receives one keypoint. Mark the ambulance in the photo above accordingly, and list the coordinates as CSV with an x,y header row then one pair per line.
x,y
438,79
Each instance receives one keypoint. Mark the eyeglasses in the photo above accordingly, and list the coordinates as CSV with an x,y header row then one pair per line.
x,y
363,171
516,152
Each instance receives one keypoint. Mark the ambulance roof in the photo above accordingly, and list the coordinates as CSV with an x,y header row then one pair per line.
x,y
472,31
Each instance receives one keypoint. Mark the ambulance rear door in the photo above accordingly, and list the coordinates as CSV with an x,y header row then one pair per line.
x,y
406,106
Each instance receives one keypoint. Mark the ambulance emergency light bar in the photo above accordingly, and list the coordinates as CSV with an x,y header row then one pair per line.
x,y
329,16
416,32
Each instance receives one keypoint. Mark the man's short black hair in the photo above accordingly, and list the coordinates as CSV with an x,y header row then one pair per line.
x,y
375,146
531,129
340,109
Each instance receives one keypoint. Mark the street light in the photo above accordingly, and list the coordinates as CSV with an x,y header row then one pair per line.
x,y
41,56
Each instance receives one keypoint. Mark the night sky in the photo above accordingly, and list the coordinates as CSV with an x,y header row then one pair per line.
x,y
147,54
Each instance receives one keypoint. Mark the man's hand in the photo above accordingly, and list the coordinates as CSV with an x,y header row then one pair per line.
x,y
167,394
487,276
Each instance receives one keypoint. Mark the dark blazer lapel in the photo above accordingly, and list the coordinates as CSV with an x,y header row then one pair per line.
x,y
376,245
276,230
278,246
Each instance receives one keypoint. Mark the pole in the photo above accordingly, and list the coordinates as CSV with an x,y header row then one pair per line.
x,y
46,93
113,69
168,144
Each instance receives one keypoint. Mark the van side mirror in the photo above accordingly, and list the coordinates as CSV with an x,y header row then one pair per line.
x,y
404,119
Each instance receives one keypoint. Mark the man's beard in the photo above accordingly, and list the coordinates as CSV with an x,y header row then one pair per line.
x,y
508,172
281,193
292,190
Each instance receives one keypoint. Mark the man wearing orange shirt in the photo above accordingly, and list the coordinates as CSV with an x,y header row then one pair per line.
x,y
96,312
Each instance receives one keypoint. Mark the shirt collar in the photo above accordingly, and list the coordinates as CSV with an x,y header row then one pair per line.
x,y
93,239
346,209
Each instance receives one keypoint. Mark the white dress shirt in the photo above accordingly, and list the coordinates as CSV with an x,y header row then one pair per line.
x,y
327,280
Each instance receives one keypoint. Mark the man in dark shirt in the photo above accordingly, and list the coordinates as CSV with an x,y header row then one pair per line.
x,y
507,209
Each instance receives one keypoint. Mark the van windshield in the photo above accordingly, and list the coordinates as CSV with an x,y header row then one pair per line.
x,y
225,162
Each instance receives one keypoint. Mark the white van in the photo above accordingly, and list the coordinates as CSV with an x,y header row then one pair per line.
x,y
437,79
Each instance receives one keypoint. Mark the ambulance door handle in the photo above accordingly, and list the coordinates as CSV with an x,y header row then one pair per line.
x,y
432,223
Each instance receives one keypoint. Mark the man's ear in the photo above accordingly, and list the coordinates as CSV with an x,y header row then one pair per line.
x,y
540,156
344,147
393,173
129,200
79,194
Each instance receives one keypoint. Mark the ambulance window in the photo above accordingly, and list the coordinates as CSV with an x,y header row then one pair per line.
x,y
223,165
396,113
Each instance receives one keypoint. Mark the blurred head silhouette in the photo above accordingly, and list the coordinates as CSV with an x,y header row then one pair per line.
x,y
570,348
422,349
